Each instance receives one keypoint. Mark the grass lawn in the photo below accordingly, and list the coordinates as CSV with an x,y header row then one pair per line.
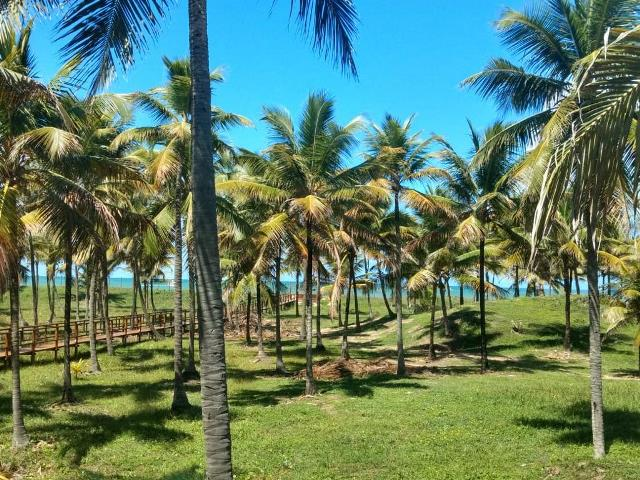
x,y
527,419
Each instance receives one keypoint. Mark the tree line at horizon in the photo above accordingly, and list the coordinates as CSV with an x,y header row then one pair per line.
x,y
547,198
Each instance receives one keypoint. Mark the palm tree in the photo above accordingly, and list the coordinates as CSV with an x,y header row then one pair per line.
x,y
481,191
94,36
400,157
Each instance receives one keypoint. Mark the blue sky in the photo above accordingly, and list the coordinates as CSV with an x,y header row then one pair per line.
x,y
411,56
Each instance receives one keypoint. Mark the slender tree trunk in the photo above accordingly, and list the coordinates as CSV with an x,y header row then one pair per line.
x,y
577,281
344,351
449,293
105,303
303,322
191,372
398,293
67,390
384,293
609,281
595,354
366,274
461,294
310,386
215,409
484,361
20,439
319,345
567,309
34,280
93,352
297,289
180,400
145,311
517,282
134,303
352,272
247,325
77,285
153,303
261,353
280,368
445,317
432,324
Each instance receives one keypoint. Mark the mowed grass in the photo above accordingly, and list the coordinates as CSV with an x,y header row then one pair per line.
x,y
527,419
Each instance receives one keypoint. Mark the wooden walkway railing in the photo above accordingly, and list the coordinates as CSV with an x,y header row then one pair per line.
x,y
50,336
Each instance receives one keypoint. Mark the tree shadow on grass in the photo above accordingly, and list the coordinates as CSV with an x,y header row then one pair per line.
x,y
573,425
351,386
94,430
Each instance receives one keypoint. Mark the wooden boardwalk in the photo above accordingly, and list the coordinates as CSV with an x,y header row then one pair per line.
x,y
49,337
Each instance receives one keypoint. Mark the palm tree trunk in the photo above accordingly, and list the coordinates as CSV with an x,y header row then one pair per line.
x,y
303,324
67,390
19,439
261,353
134,302
310,386
517,282
567,309
180,401
344,351
34,280
461,294
432,324
153,303
595,354
449,293
366,274
609,281
445,317
77,285
352,272
297,288
319,345
484,361
105,303
93,352
577,282
384,293
398,296
280,368
191,372
247,324
215,408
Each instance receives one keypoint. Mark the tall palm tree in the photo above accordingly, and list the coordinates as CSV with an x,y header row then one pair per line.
x,y
400,157
94,36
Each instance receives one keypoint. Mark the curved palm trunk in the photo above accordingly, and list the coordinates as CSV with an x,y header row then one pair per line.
x,y
319,345
310,386
567,309
445,317
93,352
344,351
34,280
280,368
215,409
595,354
261,353
180,401
432,324
67,390
352,273
384,293
153,303
484,361
577,281
19,437
398,296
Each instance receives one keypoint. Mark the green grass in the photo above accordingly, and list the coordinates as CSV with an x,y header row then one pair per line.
x,y
527,419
